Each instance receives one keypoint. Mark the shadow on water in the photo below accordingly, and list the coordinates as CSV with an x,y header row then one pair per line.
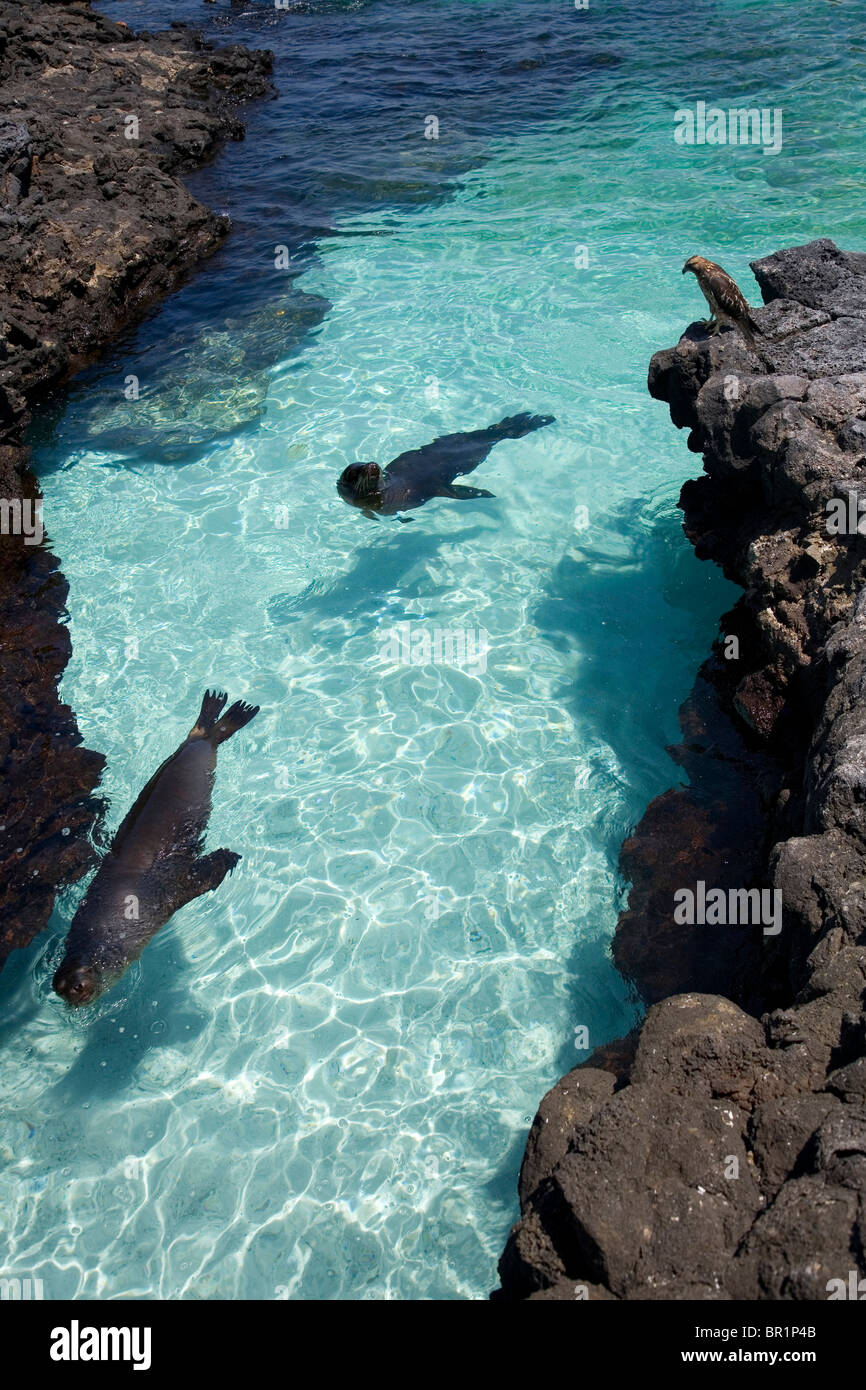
x,y
19,1003
621,590
149,1009
380,570
638,611
156,1013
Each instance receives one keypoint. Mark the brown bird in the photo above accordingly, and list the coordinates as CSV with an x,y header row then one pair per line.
x,y
727,302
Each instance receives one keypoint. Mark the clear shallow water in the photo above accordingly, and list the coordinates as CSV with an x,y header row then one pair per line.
x,y
317,1081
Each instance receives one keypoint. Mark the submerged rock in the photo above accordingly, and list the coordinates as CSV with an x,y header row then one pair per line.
x,y
209,385
729,1159
94,226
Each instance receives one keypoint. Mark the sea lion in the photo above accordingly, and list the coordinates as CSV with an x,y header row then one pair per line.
x,y
155,864
411,479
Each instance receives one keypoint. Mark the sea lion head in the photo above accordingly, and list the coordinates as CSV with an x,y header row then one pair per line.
x,y
77,984
360,483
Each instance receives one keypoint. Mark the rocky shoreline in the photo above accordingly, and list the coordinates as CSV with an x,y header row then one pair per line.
x,y
720,1151
95,226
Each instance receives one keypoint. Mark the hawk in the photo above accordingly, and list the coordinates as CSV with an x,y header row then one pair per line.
x,y
727,302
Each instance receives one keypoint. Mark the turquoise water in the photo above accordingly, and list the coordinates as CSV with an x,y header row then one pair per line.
x,y
317,1081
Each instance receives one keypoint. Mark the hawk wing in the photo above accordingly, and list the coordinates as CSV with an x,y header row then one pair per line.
x,y
726,293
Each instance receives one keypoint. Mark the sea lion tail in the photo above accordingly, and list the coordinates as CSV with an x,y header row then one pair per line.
x,y
211,707
234,718
515,426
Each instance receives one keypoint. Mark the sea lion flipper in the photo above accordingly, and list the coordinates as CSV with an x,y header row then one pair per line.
x,y
516,426
235,717
181,880
464,494
209,871
211,708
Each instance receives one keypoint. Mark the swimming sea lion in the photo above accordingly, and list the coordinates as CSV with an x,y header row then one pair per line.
x,y
155,864
413,478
